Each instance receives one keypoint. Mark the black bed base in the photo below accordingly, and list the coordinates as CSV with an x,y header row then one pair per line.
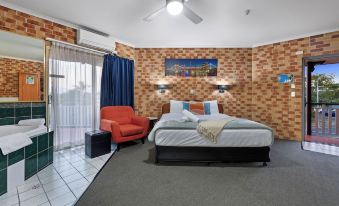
x,y
212,154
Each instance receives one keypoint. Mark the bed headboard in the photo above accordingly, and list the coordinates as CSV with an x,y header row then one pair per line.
x,y
166,108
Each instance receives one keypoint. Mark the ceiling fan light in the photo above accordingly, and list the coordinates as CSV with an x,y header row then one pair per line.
x,y
174,7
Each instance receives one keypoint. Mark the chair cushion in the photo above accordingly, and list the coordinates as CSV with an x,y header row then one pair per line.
x,y
130,129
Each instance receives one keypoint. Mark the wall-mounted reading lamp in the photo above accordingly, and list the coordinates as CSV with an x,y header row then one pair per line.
x,y
222,88
162,88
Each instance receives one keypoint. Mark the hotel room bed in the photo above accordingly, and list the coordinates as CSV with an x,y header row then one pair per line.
x,y
184,143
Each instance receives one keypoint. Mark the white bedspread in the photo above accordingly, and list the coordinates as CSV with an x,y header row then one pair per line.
x,y
227,138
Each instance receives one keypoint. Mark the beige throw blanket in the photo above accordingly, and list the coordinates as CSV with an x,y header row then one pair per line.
x,y
212,128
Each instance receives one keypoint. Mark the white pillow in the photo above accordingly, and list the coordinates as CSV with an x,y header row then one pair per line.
x,y
176,106
213,106
31,122
190,116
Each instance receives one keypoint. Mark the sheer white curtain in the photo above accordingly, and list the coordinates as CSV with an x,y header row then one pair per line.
x,y
74,93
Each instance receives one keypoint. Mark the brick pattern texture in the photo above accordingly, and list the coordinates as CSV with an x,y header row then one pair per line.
x,y
254,94
234,67
272,103
9,78
124,50
25,24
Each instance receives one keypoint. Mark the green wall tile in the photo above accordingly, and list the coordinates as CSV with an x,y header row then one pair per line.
x,y
23,112
32,149
6,121
41,111
31,166
50,155
50,139
16,156
3,161
3,181
42,160
39,117
42,142
6,112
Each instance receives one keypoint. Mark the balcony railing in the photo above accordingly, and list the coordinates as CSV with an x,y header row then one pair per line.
x,y
325,119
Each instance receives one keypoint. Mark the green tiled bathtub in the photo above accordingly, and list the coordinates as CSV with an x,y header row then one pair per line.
x,y
36,156
12,113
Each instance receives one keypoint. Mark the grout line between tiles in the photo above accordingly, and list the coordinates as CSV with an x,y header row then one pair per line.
x,y
43,190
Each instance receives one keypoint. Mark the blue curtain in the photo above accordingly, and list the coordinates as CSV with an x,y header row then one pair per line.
x,y
117,82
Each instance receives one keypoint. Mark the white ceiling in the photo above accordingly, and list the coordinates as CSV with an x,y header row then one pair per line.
x,y
21,47
225,23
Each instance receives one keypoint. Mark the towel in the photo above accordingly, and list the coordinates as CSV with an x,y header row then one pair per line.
x,y
32,122
190,116
212,128
14,142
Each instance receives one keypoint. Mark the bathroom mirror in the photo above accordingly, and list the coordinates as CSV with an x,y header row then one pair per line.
x,y
22,68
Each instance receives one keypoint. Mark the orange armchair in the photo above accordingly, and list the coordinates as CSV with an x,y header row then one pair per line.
x,y
123,124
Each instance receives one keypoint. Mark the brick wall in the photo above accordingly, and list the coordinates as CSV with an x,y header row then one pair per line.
x,y
272,102
25,24
125,51
255,93
9,79
234,67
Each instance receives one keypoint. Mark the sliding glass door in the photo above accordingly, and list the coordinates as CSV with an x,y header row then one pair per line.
x,y
74,90
322,104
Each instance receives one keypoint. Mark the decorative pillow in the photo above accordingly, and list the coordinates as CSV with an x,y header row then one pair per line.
x,y
176,106
195,107
213,106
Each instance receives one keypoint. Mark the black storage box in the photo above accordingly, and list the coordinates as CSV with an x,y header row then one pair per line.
x,y
97,143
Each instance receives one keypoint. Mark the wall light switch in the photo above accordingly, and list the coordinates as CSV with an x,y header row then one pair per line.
x,y
292,94
299,52
293,86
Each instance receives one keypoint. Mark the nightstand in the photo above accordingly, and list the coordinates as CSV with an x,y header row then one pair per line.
x,y
152,121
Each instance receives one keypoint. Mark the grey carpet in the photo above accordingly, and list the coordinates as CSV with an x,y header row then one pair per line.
x,y
294,177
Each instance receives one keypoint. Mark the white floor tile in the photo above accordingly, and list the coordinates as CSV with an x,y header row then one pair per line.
x,y
28,186
51,178
78,163
68,172
72,178
53,185
45,204
63,200
78,183
75,159
63,168
83,167
30,193
90,171
71,166
37,200
79,191
98,164
57,192
9,200
8,194
34,178
90,178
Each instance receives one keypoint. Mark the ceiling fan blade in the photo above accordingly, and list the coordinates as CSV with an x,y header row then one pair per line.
x,y
191,15
154,14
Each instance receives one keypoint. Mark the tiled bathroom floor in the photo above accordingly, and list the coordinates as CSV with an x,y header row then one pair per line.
x,y
58,184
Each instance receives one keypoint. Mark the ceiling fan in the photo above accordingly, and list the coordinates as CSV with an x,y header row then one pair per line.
x,y
175,7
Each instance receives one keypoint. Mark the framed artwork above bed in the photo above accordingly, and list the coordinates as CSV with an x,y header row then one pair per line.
x,y
191,67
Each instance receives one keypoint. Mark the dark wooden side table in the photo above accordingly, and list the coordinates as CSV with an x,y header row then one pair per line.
x,y
152,121
97,143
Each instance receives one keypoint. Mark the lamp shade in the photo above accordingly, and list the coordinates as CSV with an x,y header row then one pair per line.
x,y
222,88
